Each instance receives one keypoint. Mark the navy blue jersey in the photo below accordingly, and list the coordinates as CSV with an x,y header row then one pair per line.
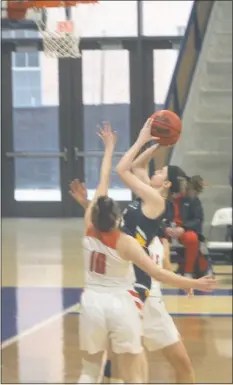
x,y
144,229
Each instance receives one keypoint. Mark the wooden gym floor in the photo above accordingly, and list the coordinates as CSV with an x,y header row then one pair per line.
x,y
42,279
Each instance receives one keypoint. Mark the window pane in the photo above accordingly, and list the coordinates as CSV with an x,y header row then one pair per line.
x,y
49,81
106,97
6,34
164,65
117,190
19,79
36,130
22,98
20,59
27,88
27,79
31,33
37,180
33,59
110,18
165,17
33,78
19,34
35,94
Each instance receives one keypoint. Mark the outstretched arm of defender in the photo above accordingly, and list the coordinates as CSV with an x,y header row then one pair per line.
x,y
130,249
109,139
78,191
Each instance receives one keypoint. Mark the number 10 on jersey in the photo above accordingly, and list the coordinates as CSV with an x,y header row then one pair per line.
x,y
98,263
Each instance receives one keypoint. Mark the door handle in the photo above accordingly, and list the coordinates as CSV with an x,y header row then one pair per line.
x,y
93,154
38,155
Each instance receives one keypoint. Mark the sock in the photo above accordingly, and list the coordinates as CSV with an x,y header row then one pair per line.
x,y
107,374
107,370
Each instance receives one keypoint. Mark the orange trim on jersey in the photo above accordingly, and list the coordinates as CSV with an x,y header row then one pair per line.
x,y
136,295
139,305
108,239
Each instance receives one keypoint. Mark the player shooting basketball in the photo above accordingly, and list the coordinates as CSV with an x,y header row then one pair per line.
x,y
134,225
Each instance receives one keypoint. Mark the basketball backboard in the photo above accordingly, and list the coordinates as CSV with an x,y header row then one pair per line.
x,y
28,23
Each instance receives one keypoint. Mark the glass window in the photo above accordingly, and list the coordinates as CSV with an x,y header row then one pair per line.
x,y
27,79
25,97
164,65
164,17
27,88
20,33
36,130
31,33
33,59
20,59
106,98
26,59
110,18
6,34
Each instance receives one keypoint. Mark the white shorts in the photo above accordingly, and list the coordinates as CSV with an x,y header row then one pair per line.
x,y
109,316
159,330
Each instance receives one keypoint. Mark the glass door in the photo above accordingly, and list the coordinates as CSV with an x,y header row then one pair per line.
x,y
105,84
36,127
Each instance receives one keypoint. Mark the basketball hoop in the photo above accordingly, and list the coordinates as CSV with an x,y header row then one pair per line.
x,y
60,41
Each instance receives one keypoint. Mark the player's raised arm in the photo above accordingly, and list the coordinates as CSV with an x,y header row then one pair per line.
x,y
140,166
109,139
140,188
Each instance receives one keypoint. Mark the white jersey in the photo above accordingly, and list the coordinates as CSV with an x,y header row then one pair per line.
x,y
156,251
104,268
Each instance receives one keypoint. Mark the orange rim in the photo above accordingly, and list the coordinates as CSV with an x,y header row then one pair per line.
x,y
12,4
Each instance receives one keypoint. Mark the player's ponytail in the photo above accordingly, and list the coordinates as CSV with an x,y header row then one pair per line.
x,y
196,184
105,214
178,180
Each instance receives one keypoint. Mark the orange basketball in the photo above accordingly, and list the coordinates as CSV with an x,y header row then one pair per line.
x,y
166,126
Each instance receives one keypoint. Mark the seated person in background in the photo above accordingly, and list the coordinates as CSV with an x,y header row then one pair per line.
x,y
230,177
229,228
184,219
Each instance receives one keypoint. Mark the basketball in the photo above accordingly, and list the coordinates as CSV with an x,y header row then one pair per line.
x,y
166,126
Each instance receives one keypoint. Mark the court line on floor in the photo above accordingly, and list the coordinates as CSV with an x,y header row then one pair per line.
x,y
179,315
223,292
38,326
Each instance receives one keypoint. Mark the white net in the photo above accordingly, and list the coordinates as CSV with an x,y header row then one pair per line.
x,y
60,44
60,39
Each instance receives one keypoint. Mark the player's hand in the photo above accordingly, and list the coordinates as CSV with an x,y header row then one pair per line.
x,y
189,292
78,191
145,133
108,136
206,284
